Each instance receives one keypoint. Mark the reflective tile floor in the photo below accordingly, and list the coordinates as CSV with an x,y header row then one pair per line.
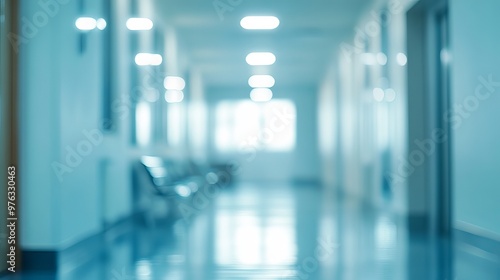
x,y
256,231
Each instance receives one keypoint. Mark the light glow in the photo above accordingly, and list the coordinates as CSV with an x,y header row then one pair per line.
x,y
143,121
101,24
382,59
261,94
401,59
390,95
86,23
378,94
260,22
261,58
144,59
183,190
139,24
151,161
240,126
174,96
174,83
261,81
445,56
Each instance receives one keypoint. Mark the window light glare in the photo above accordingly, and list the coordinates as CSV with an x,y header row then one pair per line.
x,y
143,59
174,83
174,96
139,24
260,58
260,22
261,81
261,94
86,23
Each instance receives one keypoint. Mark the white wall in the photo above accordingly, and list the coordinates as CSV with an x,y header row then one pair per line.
x,y
61,100
39,135
475,54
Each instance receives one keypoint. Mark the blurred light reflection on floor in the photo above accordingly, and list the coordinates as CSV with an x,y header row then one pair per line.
x,y
263,231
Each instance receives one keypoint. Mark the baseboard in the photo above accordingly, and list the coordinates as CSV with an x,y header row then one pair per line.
x,y
34,260
77,254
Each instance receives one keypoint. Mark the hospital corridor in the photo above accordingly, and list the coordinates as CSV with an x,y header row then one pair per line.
x,y
250,139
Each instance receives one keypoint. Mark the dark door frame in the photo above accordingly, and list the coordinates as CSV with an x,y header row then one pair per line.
x,y
430,186
428,103
9,111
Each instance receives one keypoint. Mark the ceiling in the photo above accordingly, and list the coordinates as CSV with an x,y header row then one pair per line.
x,y
304,42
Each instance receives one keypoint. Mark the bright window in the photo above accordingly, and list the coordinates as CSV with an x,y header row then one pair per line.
x,y
264,126
175,124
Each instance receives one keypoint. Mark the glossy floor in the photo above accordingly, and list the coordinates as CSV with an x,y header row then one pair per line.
x,y
256,231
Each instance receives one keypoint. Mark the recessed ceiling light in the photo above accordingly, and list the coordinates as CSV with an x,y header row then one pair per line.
x,y
381,58
143,59
261,94
174,96
86,23
174,83
378,94
101,23
260,58
401,59
260,22
261,81
139,24
390,95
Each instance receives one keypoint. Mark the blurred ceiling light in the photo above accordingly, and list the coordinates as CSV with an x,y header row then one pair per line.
x,y
212,178
445,56
183,190
86,23
174,83
260,58
401,59
390,95
101,24
378,94
174,96
260,22
139,24
261,81
381,59
144,59
261,94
